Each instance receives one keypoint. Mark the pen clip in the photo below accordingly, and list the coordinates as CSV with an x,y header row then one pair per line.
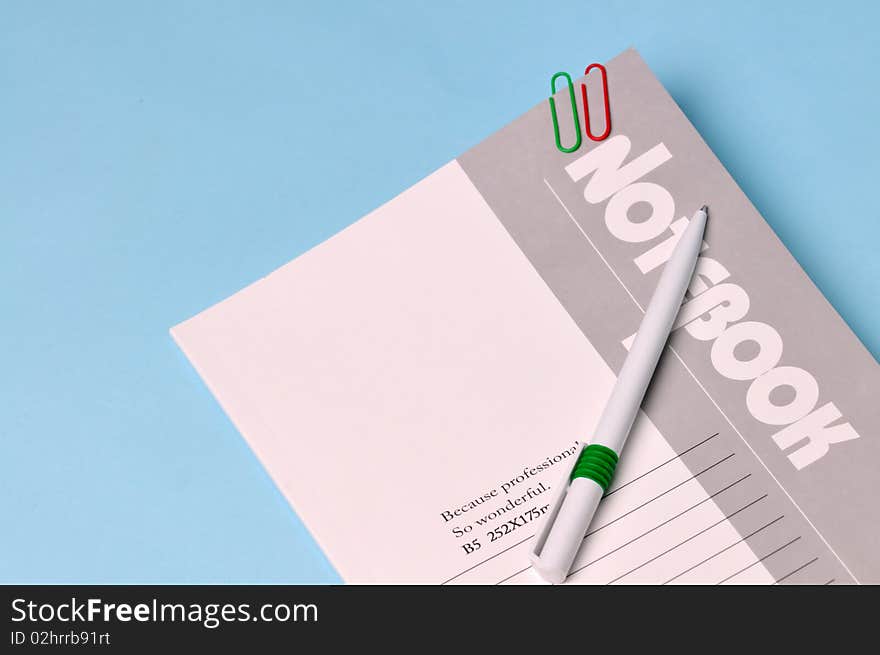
x,y
558,496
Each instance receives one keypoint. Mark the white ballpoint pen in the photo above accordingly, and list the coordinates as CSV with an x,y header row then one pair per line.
x,y
583,486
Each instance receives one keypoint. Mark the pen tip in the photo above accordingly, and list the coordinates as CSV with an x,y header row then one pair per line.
x,y
705,210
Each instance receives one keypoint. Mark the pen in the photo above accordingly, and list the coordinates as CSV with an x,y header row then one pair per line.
x,y
569,517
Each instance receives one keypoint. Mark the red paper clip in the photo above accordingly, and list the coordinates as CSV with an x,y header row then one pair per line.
x,y
607,131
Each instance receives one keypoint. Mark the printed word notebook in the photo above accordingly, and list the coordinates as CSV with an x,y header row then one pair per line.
x,y
416,385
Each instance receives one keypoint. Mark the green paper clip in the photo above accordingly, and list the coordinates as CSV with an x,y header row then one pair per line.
x,y
574,113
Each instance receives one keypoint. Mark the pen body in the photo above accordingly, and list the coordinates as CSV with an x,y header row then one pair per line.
x,y
638,369
557,544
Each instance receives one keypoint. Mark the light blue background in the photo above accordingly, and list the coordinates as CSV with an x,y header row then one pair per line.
x,y
155,157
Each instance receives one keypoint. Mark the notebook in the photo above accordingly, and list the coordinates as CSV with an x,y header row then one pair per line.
x,y
417,385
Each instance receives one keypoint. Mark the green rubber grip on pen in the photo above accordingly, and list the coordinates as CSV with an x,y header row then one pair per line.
x,y
596,463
